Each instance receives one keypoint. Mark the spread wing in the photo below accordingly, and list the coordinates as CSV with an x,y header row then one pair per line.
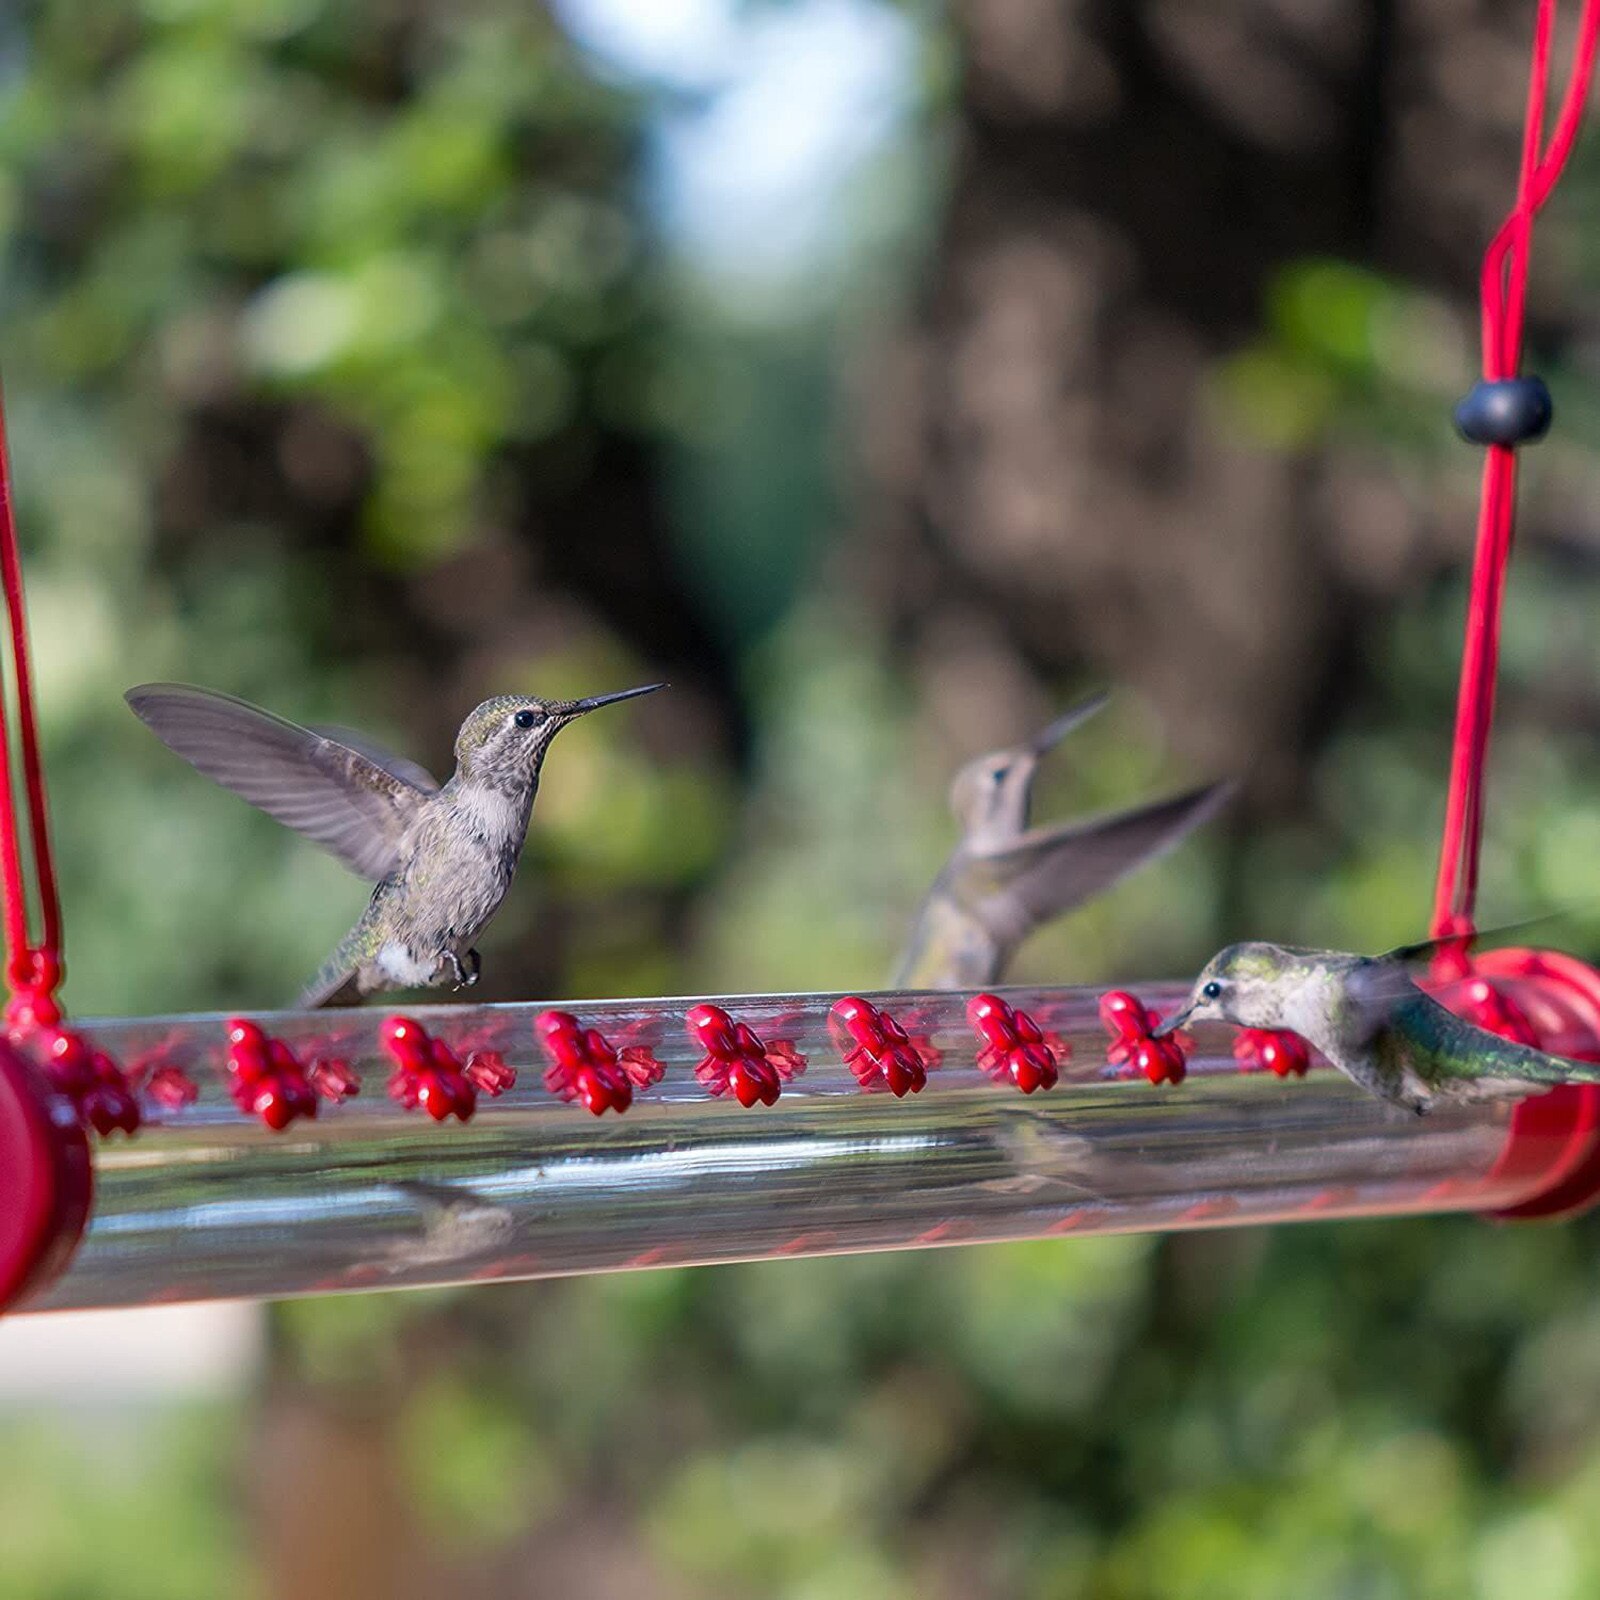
x,y
402,768
355,803
1050,870
1478,938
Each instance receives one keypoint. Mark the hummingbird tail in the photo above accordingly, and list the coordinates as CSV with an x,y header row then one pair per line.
x,y
1465,1053
1553,1070
334,984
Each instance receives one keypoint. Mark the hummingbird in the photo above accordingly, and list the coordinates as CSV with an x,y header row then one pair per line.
x,y
456,1224
1004,878
442,856
1371,1021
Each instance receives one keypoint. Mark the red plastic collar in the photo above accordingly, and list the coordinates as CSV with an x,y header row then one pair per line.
x,y
46,1180
1554,1140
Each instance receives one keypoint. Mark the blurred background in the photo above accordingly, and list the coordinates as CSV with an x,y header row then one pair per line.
x,y
884,375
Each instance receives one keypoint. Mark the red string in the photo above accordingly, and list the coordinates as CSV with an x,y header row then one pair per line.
x,y
34,967
1504,290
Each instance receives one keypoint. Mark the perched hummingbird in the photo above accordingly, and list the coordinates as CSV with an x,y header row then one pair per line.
x,y
1006,878
1373,1023
443,857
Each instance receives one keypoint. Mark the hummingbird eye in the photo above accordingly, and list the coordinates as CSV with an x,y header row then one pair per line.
x,y
1212,991
525,719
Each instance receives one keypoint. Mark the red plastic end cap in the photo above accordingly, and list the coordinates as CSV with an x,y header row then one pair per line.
x,y
46,1180
1554,1138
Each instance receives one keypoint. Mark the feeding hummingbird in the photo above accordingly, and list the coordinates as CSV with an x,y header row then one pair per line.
x,y
1371,1021
1005,879
443,856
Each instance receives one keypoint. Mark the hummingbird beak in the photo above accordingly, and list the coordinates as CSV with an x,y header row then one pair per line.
x,y
580,708
1065,723
1173,1023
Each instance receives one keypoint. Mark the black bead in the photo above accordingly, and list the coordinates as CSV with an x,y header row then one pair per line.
x,y
1509,412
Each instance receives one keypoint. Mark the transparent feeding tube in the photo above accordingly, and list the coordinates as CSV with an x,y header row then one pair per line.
x,y
207,1202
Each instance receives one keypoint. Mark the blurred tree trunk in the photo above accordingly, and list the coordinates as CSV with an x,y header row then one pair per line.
x,y
1127,180
330,1517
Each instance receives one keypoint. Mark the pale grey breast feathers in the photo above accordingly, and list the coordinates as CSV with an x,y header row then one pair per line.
x,y
357,803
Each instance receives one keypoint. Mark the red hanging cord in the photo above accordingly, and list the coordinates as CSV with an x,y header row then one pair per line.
x,y
33,969
1504,286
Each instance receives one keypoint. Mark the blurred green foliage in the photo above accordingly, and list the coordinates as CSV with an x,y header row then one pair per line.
x,y
295,293
101,1504
385,263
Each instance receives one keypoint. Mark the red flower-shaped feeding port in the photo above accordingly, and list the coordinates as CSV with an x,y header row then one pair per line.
x,y
585,1067
333,1079
429,1074
171,1087
736,1062
1013,1045
100,1091
97,1087
266,1078
876,1048
1274,1050
1132,1025
490,1073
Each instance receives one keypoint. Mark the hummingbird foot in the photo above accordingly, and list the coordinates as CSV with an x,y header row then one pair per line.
x,y
468,975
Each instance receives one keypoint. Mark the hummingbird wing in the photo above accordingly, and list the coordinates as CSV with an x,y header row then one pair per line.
x,y
354,806
1049,870
1425,948
402,768
1376,987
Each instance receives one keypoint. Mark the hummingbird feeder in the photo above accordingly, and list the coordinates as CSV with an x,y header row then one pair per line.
x,y
193,1157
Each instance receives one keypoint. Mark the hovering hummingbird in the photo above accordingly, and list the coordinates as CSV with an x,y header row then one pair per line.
x,y
1373,1023
443,857
1006,878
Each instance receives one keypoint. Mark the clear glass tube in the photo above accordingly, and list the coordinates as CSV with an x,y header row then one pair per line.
x,y
206,1202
